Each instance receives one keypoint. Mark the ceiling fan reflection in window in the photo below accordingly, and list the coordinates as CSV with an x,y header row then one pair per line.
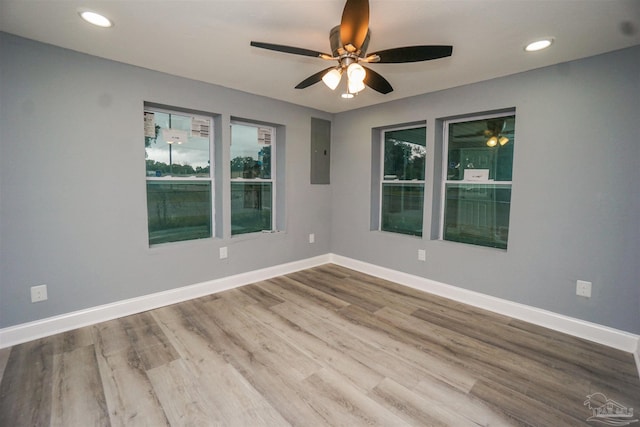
x,y
349,43
496,132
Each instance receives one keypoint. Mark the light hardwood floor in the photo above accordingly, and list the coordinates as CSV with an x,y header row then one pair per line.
x,y
326,346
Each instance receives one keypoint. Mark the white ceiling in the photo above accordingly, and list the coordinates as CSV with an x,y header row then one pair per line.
x,y
208,40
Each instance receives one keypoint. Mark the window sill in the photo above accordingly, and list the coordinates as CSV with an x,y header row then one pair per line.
x,y
401,235
267,234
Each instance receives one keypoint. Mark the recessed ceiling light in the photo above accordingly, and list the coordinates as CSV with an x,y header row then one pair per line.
x,y
347,95
95,19
538,45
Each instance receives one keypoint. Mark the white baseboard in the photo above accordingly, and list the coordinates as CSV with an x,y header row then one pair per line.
x,y
610,337
580,328
53,325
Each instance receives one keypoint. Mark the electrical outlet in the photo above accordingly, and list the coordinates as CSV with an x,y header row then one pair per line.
x,y
223,252
422,255
583,288
312,238
38,293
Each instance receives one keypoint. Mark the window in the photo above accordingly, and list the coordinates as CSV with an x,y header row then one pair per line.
x,y
477,181
178,150
402,184
252,189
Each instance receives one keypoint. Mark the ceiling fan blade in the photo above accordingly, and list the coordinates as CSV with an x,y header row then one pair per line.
x,y
412,54
311,80
376,82
354,24
291,49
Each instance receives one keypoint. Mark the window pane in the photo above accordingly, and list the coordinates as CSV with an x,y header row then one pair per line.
x,y
178,211
404,154
180,146
402,206
481,144
477,214
250,152
250,207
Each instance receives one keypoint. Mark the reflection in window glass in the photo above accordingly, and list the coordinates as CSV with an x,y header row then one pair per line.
x,y
402,206
179,186
471,146
178,211
404,154
477,214
250,207
402,185
477,185
252,187
176,150
250,152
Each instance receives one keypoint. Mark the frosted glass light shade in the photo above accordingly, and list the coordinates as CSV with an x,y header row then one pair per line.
x,y
355,72
332,78
355,86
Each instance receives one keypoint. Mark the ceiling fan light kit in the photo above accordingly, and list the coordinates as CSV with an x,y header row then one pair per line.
x,y
494,140
349,43
494,131
332,78
355,86
355,72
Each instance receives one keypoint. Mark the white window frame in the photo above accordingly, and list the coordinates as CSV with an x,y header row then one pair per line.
x,y
445,160
180,179
272,180
398,181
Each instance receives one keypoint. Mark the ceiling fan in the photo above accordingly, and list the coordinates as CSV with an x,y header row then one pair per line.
x,y
349,42
494,134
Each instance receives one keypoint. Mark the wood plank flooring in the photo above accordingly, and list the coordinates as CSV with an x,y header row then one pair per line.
x,y
326,346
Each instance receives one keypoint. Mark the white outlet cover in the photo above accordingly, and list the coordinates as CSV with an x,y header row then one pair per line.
x,y
39,293
583,288
223,252
312,238
422,255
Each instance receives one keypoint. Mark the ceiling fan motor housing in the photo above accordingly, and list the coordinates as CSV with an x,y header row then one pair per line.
x,y
337,49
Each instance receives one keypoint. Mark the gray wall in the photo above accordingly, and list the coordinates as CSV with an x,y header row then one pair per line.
x,y
575,210
72,183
